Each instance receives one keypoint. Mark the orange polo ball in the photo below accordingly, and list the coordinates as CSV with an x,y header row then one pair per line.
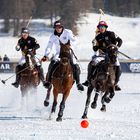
x,y
84,124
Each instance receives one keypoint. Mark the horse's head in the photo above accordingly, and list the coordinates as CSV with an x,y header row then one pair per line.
x,y
29,58
112,51
65,52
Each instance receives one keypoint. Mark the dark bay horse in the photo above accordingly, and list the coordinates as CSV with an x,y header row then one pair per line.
x,y
29,78
104,80
62,79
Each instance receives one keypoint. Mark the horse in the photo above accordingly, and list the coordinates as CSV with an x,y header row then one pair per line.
x,y
62,80
29,77
103,80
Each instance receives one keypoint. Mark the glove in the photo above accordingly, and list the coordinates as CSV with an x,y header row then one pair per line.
x,y
17,47
44,59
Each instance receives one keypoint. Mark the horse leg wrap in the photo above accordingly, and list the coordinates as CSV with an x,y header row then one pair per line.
x,y
54,106
62,106
111,95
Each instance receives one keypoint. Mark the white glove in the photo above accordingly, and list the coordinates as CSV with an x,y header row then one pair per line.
x,y
17,47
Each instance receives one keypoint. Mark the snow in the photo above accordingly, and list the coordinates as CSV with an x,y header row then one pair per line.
x,y
120,122
30,122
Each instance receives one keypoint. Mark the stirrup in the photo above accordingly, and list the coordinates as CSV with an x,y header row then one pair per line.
x,y
80,87
15,84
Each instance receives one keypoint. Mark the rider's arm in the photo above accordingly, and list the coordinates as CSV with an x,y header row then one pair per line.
x,y
117,39
36,45
72,38
96,45
49,47
18,46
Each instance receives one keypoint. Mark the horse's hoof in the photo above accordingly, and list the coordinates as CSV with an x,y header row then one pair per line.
x,y
93,105
46,103
59,119
80,87
117,88
47,84
86,83
107,100
84,116
103,108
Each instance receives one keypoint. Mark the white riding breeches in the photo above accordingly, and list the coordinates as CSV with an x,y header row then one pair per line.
x,y
72,57
23,61
99,58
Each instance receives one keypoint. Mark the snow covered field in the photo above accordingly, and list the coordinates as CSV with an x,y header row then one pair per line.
x,y
120,122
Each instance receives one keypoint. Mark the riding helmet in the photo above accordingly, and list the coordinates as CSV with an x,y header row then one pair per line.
x,y
25,30
57,23
102,23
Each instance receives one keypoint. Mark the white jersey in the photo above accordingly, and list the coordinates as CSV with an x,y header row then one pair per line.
x,y
53,47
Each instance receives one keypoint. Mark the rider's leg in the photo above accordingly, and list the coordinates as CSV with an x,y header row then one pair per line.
x,y
117,74
90,70
76,73
51,68
40,73
18,69
39,68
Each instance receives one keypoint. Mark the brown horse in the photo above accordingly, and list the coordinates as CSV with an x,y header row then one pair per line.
x,y
104,80
29,78
62,79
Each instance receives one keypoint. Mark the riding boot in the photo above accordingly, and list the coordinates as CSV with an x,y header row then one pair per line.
x,y
41,73
16,83
51,68
117,74
91,69
76,70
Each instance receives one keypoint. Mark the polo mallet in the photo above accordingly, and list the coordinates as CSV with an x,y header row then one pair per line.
x,y
29,21
125,55
4,81
100,17
76,58
101,14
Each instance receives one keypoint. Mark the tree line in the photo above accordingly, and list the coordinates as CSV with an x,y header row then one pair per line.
x,y
16,13
130,8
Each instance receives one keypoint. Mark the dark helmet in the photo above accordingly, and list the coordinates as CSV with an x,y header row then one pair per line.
x,y
25,30
102,23
57,23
